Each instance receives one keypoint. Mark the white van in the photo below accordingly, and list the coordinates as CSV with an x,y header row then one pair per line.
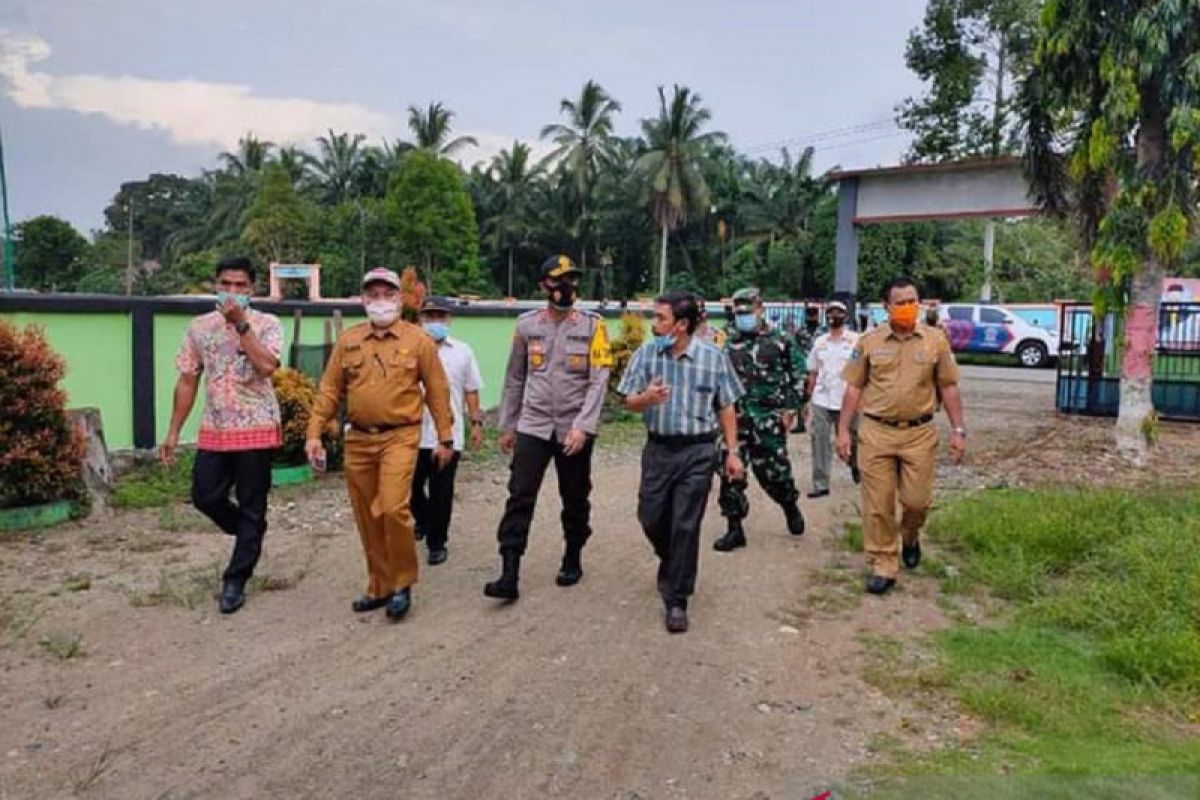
x,y
978,328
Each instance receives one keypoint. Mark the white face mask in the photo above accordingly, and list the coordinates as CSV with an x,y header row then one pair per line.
x,y
382,312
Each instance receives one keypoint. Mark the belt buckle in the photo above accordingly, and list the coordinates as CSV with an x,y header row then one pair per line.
x,y
373,429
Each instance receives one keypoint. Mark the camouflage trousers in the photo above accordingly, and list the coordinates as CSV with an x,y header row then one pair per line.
x,y
762,448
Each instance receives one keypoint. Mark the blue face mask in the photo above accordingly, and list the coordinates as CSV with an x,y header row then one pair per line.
x,y
664,342
746,323
438,330
242,300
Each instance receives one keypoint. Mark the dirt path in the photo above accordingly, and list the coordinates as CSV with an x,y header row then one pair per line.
x,y
569,693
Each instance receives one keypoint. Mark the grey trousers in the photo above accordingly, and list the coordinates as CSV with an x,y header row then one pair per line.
x,y
824,431
672,498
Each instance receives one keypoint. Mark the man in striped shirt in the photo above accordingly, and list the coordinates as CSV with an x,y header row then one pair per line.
x,y
685,389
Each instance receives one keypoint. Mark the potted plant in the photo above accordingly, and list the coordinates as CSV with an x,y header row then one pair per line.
x,y
295,392
41,453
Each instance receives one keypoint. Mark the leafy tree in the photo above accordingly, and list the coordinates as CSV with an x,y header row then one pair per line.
x,y
515,178
433,224
49,254
969,52
1115,86
335,169
277,222
675,147
431,130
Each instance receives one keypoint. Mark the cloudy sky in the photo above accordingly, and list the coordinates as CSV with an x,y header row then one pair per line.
x,y
95,92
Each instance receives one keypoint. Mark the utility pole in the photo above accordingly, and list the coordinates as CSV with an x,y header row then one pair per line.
x,y
989,251
129,247
10,267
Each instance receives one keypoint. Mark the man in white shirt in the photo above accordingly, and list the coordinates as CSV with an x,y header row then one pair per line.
x,y
433,488
826,362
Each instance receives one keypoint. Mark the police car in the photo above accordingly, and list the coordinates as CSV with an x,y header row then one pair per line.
x,y
977,328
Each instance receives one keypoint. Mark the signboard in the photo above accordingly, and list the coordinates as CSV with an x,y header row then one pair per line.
x,y
293,271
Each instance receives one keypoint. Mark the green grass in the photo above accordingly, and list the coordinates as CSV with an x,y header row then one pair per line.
x,y
153,485
1089,684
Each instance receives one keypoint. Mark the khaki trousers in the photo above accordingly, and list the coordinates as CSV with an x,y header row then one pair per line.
x,y
379,473
895,464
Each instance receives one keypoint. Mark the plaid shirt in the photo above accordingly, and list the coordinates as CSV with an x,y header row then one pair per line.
x,y
240,409
701,381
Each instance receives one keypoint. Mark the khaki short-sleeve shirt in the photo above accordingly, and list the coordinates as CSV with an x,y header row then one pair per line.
x,y
899,374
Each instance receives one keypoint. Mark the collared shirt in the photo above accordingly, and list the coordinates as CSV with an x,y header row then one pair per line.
x,y
828,358
557,374
701,381
899,375
462,372
240,409
380,373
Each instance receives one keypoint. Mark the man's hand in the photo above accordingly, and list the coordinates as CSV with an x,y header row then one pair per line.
x,y
808,418
476,436
166,450
789,420
734,469
574,441
843,445
958,447
657,393
507,441
315,451
233,312
442,456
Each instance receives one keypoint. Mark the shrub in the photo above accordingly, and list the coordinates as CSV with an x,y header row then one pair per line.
x,y
633,334
295,392
40,451
412,295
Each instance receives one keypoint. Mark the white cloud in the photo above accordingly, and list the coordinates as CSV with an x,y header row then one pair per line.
x,y
194,112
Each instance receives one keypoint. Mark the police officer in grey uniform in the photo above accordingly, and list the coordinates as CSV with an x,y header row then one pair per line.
x,y
554,390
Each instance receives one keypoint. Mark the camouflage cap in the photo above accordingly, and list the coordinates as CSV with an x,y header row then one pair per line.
x,y
750,296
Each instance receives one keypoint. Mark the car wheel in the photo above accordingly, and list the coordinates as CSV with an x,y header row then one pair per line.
x,y
1032,354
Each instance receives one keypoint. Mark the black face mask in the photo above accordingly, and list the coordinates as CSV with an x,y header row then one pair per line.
x,y
836,322
563,295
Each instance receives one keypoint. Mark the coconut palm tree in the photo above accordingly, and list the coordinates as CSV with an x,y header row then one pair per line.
x,y
582,146
676,146
294,162
334,170
251,156
431,130
515,178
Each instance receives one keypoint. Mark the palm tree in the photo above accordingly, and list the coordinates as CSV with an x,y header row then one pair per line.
x,y
515,179
294,162
336,167
582,145
251,156
431,129
676,147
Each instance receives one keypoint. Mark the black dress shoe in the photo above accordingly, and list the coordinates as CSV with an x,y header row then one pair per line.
x,y
368,603
911,555
399,604
233,596
677,620
571,571
795,520
877,584
815,493
438,555
732,539
506,586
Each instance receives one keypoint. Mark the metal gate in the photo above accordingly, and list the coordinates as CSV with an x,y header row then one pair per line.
x,y
1091,351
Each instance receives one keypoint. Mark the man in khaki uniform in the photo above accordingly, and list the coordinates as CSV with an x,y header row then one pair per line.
x,y
896,372
379,368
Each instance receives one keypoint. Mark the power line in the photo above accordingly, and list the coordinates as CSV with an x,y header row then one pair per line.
x,y
822,136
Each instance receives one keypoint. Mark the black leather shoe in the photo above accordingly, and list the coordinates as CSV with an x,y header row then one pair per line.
x,y
815,493
438,555
368,603
795,520
877,584
677,620
233,596
505,587
571,571
910,554
733,538
399,604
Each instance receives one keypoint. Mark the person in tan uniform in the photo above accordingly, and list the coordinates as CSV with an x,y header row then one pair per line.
x,y
379,368
895,375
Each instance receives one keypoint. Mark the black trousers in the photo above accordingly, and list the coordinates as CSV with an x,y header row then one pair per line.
x,y
531,456
672,499
248,474
432,500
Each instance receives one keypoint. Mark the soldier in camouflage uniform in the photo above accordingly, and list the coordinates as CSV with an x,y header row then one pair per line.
x,y
772,370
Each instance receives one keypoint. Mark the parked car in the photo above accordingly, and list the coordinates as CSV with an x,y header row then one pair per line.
x,y
978,328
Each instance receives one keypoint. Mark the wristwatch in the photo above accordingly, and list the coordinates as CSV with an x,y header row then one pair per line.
x,y
961,432
242,327
447,443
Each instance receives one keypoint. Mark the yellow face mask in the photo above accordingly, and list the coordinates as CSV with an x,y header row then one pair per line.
x,y
905,316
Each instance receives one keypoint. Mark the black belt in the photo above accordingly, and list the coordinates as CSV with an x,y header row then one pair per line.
x,y
683,441
901,423
381,428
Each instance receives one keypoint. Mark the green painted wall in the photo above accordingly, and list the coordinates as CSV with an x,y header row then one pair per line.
x,y
98,349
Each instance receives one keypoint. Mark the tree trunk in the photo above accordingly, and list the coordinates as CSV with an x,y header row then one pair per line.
x,y
998,109
662,264
510,270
